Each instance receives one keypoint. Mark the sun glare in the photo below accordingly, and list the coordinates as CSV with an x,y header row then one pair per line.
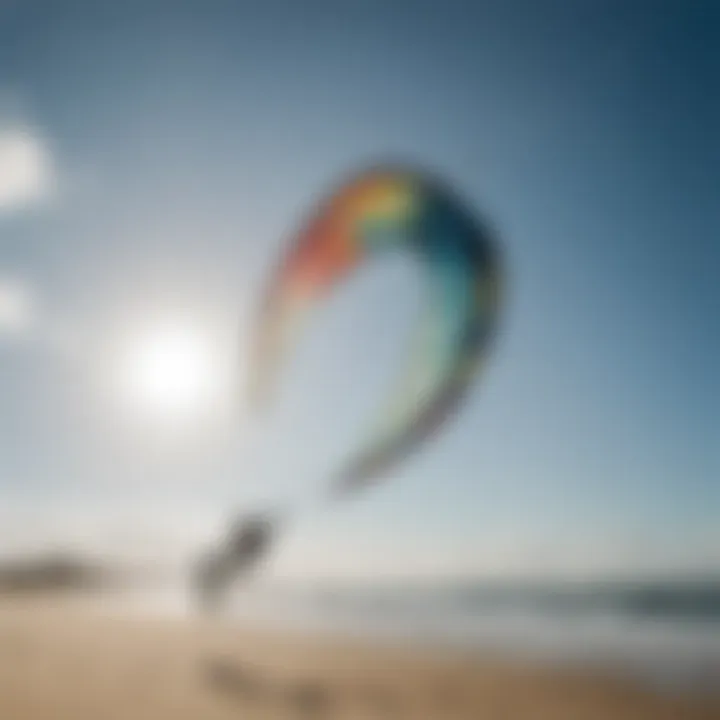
x,y
171,371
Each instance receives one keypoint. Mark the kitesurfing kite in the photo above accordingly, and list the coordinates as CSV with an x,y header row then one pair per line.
x,y
383,210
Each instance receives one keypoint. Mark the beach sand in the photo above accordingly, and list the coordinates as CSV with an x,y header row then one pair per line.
x,y
65,660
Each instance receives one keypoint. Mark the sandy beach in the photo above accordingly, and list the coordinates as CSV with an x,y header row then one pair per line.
x,y
68,660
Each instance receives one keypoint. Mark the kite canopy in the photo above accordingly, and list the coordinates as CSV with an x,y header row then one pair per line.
x,y
383,209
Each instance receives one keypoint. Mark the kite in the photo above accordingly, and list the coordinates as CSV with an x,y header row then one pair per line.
x,y
381,210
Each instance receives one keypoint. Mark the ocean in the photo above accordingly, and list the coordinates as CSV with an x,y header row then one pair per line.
x,y
666,633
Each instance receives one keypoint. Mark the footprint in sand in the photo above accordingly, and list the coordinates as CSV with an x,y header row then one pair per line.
x,y
310,700
235,680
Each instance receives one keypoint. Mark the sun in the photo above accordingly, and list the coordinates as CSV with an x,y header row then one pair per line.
x,y
171,371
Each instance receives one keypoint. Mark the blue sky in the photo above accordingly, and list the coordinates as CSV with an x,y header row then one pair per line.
x,y
182,143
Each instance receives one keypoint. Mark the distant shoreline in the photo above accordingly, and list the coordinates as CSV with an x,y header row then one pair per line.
x,y
60,572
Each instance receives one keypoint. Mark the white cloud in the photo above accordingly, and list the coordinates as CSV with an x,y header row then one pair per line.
x,y
26,168
16,307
